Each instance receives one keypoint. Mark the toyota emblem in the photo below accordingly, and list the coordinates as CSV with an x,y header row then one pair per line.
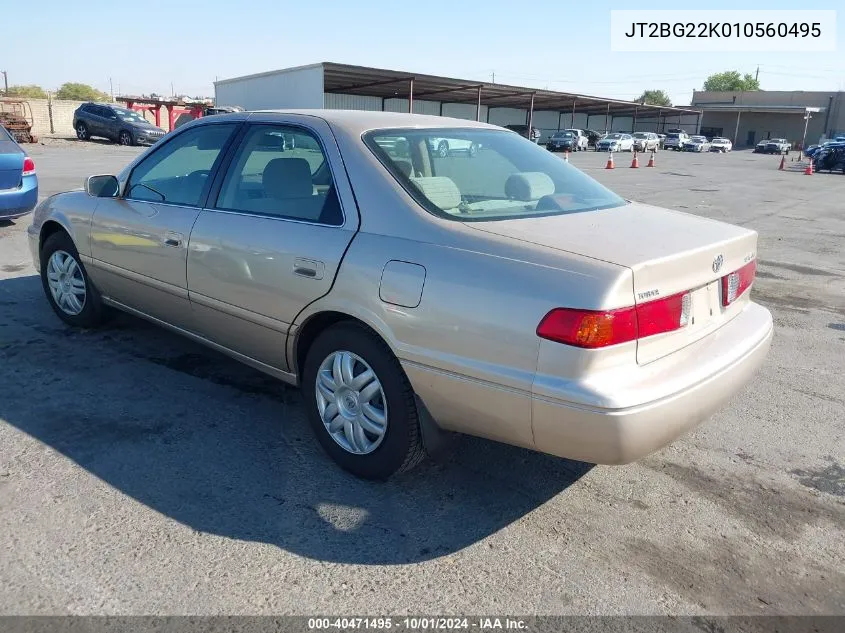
x,y
717,263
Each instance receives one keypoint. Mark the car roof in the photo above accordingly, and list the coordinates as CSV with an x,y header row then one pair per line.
x,y
359,121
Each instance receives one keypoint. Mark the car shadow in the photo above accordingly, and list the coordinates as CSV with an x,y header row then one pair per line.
x,y
226,450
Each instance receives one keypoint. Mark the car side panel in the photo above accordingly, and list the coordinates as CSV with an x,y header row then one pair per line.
x,y
469,347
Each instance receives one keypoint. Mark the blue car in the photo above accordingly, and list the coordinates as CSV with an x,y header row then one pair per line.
x,y
18,182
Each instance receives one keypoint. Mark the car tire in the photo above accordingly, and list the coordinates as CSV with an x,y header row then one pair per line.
x,y
399,447
473,149
443,149
82,132
84,308
125,138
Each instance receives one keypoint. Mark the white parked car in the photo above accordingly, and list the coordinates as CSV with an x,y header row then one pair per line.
x,y
616,142
444,147
583,139
676,140
646,141
720,144
697,144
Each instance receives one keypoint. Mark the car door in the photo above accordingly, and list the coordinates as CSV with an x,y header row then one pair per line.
x,y
272,237
139,240
95,121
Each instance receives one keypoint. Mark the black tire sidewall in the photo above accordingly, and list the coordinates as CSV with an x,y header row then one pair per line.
x,y
92,312
402,421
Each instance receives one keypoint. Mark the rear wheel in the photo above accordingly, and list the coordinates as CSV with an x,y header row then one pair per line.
x,y
360,403
82,132
70,292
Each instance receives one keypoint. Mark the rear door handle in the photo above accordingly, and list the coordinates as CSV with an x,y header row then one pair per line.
x,y
173,239
311,268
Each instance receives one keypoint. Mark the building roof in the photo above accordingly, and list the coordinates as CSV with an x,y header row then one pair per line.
x,y
389,84
740,107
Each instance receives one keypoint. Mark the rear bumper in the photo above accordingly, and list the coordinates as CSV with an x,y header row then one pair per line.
x,y
15,203
621,436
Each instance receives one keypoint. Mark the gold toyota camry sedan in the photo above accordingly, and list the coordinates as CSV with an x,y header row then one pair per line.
x,y
416,275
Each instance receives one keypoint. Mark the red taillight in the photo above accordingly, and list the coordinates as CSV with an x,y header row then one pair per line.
x,y
737,282
28,166
593,329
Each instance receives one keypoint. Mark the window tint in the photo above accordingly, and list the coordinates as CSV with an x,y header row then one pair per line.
x,y
281,171
178,172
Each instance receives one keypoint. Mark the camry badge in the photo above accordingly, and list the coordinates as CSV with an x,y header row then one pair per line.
x,y
717,263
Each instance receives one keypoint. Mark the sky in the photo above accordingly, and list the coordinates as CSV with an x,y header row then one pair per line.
x,y
156,46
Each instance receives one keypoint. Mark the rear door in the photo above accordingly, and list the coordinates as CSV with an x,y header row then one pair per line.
x,y
271,238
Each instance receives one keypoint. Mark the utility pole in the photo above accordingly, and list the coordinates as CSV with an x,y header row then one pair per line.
x,y
111,89
5,84
492,81
757,74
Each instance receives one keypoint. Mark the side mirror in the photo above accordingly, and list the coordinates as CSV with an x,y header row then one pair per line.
x,y
102,186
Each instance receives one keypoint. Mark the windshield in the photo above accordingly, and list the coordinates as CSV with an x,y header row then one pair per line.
x,y
485,175
674,136
130,116
562,135
640,135
613,136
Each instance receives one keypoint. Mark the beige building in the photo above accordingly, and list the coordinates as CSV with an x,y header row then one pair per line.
x,y
748,117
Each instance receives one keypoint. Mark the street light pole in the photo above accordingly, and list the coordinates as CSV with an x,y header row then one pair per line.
x,y
5,84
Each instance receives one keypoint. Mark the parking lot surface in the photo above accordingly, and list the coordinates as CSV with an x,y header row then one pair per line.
x,y
143,474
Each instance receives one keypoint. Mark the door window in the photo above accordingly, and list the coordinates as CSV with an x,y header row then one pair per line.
x,y
178,172
281,171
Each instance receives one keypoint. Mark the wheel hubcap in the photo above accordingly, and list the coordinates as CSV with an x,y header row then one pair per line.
x,y
66,282
351,402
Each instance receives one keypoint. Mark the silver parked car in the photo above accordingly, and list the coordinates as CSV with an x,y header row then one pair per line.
x,y
507,295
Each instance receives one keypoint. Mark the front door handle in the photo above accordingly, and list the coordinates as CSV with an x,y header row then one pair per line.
x,y
311,268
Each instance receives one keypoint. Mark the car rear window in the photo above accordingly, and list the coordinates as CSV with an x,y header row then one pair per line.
x,y
476,174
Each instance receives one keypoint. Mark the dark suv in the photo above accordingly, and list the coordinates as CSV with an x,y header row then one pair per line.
x,y
117,124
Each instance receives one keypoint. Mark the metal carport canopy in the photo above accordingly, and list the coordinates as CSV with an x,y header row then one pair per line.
x,y
393,84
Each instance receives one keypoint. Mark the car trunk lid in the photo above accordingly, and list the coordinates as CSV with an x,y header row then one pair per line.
x,y
669,252
11,165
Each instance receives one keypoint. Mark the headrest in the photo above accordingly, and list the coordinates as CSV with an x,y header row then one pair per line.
x,y
529,185
287,178
440,190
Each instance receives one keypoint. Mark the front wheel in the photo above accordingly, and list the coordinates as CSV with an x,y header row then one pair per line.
x,y
443,149
473,149
70,292
125,138
360,403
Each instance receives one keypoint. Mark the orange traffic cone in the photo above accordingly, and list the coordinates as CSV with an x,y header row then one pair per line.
x,y
651,160
809,170
635,163
609,161
782,163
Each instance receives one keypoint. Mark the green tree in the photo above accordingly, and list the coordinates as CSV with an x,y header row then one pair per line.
x,y
654,97
80,92
731,81
27,92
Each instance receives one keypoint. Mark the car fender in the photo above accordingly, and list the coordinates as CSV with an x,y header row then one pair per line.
x,y
72,211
